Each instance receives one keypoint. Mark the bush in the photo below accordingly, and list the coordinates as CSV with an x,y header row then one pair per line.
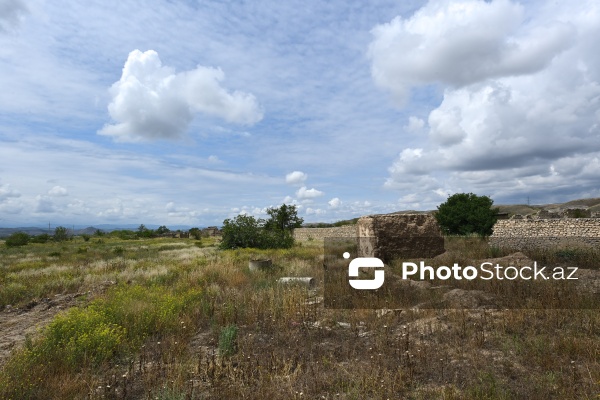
x,y
465,214
61,234
83,336
43,238
242,231
196,233
124,234
17,239
276,232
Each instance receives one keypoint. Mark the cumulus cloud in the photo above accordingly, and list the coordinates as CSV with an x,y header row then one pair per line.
x,y
214,159
170,207
509,131
415,125
296,177
334,203
152,101
11,14
303,193
314,211
43,204
462,42
6,192
58,191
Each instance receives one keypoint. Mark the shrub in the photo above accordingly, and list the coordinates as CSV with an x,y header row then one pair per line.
x,y
465,214
17,239
124,234
43,238
119,250
242,231
82,336
276,232
61,234
196,233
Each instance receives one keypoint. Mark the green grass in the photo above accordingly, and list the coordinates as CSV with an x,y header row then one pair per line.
x,y
167,319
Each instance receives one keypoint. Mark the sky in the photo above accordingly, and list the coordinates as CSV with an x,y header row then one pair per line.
x,y
188,112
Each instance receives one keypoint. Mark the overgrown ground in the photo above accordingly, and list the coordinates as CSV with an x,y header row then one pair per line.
x,y
177,319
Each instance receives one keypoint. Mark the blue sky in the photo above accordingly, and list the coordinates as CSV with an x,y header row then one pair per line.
x,y
187,113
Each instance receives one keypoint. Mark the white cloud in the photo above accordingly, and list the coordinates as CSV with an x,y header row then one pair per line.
x,y
11,207
314,211
517,131
288,200
462,42
334,203
11,14
303,193
296,177
58,191
44,205
415,125
151,101
6,192
170,207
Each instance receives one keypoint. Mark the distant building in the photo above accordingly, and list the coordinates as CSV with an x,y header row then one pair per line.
x,y
211,231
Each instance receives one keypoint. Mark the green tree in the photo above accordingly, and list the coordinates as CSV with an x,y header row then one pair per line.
x,y
276,232
144,232
17,239
467,213
61,234
284,218
41,238
242,231
162,229
196,233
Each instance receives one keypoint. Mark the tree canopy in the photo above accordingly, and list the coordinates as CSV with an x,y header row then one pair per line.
x,y
275,232
467,213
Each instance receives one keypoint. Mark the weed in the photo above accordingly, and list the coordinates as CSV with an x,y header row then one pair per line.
x,y
228,341
196,323
119,250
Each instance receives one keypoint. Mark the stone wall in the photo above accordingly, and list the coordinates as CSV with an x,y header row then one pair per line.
x,y
543,233
321,233
391,236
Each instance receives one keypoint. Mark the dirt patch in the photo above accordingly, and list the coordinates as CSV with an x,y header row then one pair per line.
x,y
16,323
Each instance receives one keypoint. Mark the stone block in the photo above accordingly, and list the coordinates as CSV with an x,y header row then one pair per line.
x,y
392,236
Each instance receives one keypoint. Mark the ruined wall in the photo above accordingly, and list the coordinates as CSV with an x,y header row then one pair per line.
x,y
390,236
543,233
321,233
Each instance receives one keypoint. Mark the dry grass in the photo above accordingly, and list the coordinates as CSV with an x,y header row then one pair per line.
x,y
173,303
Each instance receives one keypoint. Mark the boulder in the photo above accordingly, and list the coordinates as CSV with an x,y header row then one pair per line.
x,y
393,236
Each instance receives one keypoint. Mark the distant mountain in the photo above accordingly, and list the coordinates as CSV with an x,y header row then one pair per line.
x,y
4,232
524,209
593,204
90,230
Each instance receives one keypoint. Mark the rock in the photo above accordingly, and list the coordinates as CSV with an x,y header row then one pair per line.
x,y
260,265
459,298
390,236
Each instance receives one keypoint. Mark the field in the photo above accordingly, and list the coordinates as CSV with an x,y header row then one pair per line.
x,y
175,319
